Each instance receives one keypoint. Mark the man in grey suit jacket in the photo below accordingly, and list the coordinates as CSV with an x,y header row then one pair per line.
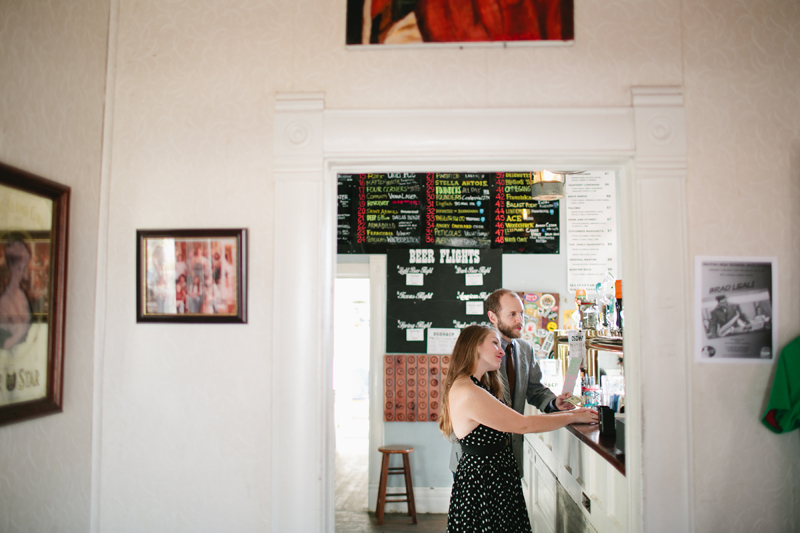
x,y
506,313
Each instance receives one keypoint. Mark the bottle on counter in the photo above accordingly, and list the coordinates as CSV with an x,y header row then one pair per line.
x,y
591,392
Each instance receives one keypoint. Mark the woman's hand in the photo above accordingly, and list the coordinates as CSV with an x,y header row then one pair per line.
x,y
584,415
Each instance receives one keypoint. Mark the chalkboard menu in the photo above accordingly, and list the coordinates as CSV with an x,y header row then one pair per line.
x,y
522,224
457,208
377,212
380,212
434,293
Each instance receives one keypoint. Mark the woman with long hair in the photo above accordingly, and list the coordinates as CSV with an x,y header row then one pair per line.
x,y
487,493
15,306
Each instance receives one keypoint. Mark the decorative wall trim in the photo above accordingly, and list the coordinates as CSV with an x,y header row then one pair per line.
x,y
302,414
101,284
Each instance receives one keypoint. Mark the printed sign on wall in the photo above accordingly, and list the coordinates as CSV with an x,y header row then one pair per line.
x,y
736,309
591,229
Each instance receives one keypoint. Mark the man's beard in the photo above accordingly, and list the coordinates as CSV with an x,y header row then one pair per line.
x,y
508,331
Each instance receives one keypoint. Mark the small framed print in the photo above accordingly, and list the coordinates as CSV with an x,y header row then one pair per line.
x,y
191,275
34,227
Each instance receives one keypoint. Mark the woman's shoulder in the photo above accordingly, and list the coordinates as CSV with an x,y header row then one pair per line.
x,y
464,388
461,383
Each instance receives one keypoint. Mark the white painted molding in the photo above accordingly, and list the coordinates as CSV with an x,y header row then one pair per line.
x,y
645,144
302,428
377,351
660,304
500,135
298,133
101,285
660,130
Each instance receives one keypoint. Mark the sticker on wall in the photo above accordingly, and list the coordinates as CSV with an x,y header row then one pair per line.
x,y
547,301
540,318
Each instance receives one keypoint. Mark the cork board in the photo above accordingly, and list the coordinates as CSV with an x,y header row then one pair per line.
x,y
412,387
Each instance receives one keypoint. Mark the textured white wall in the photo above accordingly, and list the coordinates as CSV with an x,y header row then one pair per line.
x,y
52,75
186,408
184,424
742,86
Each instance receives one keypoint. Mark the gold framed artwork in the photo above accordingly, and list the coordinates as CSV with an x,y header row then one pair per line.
x,y
34,228
191,275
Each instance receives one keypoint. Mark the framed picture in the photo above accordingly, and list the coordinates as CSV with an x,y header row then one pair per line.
x,y
736,309
191,275
34,227
409,22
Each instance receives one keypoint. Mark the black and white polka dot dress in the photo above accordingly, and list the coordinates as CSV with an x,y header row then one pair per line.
x,y
487,493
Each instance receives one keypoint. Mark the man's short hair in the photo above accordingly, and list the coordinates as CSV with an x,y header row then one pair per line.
x,y
493,300
721,297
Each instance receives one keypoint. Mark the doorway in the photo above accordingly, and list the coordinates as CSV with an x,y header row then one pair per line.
x,y
351,354
312,144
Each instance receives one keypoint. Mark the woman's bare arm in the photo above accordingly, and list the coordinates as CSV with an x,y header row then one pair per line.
x,y
471,406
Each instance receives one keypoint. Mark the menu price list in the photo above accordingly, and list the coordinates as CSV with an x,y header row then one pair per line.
x,y
377,212
522,224
412,387
457,210
592,229
436,288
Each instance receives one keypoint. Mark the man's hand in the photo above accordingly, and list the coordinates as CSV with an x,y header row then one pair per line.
x,y
562,404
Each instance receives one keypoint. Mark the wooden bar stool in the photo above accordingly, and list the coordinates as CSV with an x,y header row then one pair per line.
x,y
387,452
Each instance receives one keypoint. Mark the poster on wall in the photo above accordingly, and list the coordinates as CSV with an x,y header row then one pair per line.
x,y
408,22
735,309
34,225
434,293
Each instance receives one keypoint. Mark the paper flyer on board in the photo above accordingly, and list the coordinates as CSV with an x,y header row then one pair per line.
x,y
735,309
442,340
573,370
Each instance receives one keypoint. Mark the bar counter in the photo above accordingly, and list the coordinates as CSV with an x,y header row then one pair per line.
x,y
604,445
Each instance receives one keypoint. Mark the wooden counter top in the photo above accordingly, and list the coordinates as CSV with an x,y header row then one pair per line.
x,y
605,445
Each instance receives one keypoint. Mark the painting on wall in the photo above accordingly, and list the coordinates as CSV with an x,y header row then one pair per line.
x,y
191,275
404,22
34,224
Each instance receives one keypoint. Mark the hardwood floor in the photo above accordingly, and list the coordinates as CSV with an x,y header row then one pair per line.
x,y
352,485
352,482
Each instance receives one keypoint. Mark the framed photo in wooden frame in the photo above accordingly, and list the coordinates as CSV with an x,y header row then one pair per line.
x,y
34,229
191,275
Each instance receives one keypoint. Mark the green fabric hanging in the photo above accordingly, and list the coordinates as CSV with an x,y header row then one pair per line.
x,y
783,411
